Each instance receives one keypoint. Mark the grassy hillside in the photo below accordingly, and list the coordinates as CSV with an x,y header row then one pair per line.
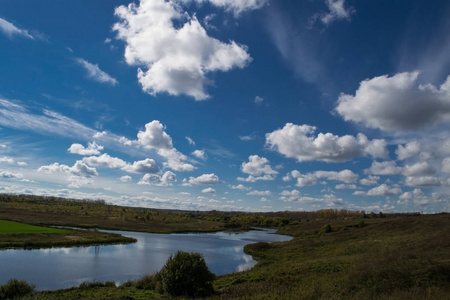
x,y
399,258
97,214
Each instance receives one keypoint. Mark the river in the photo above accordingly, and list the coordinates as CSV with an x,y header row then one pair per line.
x,y
57,268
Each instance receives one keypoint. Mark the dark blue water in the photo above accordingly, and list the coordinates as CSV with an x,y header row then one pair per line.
x,y
58,268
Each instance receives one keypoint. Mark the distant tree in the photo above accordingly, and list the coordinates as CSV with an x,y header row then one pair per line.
x,y
186,274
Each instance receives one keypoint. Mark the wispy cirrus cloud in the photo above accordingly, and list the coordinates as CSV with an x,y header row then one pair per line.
x,y
11,30
94,72
14,115
235,6
300,56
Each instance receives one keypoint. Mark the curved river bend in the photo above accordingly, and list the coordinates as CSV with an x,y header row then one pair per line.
x,y
58,268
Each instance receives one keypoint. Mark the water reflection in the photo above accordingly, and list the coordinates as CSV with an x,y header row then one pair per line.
x,y
64,267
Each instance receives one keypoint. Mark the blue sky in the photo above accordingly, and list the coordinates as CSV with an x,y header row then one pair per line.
x,y
231,105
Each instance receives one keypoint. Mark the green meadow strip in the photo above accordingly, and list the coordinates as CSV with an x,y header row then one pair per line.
x,y
9,227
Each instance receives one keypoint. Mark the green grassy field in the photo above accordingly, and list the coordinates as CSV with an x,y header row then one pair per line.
x,y
9,227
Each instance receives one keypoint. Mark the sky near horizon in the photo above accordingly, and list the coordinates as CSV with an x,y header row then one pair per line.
x,y
255,105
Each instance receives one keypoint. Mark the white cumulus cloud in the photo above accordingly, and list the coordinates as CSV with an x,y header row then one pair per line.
x,y
422,181
370,180
419,169
407,151
299,142
147,165
199,154
308,179
259,193
154,137
8,174
344,186
79,169
174,59
126,178
208,191
204,179
6,159
346,176
384,190
295,196
91,149
397,103
168,178
105,160
384,168
258,168
240,187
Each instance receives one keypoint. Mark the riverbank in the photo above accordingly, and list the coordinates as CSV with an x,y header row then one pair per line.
x,y
382,258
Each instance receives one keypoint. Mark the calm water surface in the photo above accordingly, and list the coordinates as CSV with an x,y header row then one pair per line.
x,y
65,267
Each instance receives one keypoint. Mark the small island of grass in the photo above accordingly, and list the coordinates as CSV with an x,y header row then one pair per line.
x,y
21,235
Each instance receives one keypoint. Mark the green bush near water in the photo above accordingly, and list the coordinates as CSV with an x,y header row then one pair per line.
x,y
186,274
15,289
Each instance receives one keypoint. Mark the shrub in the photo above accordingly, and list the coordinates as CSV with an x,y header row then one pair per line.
x,y
86,285
147,282
327,228
16,288
186,274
